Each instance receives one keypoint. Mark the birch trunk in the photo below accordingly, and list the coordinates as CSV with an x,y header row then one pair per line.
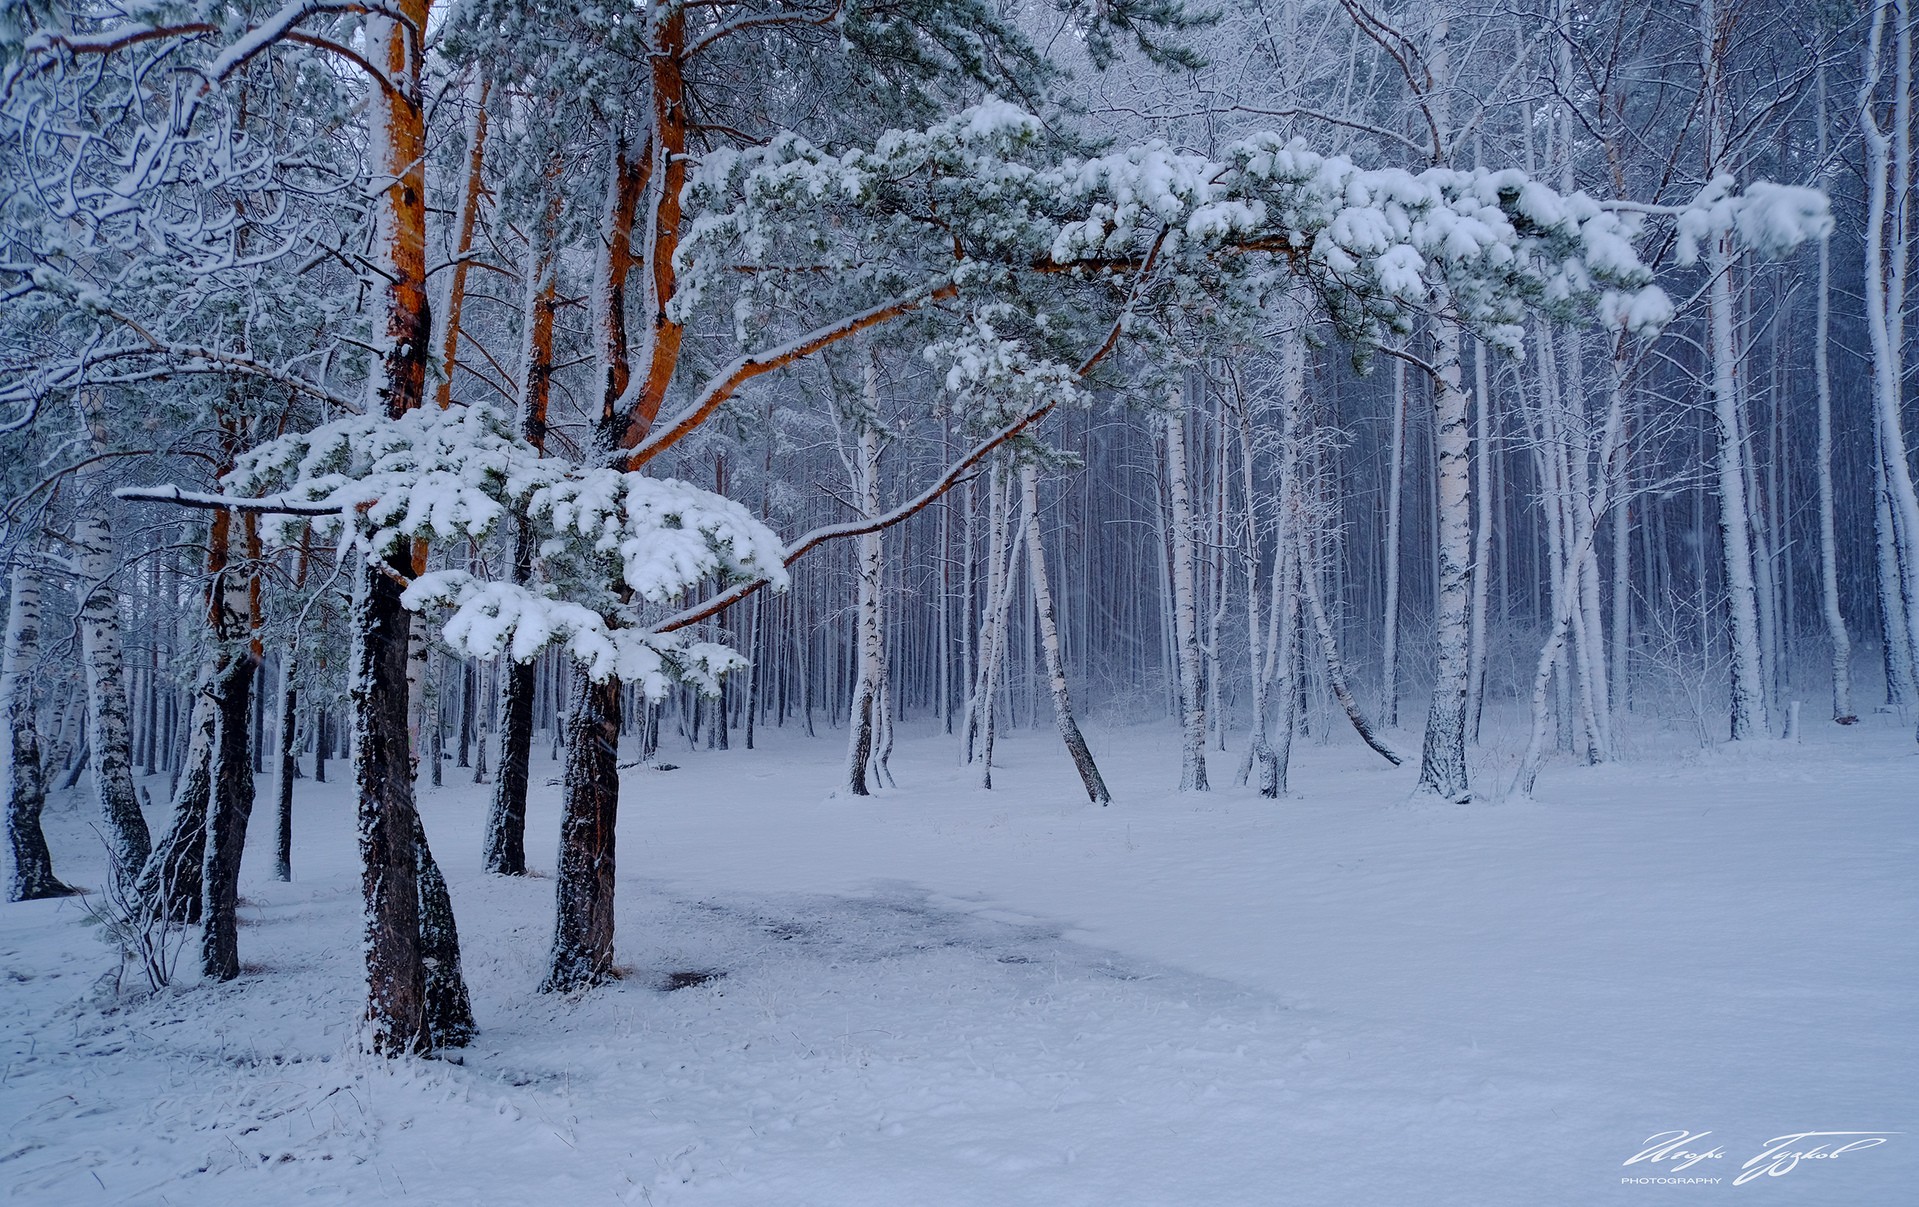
x,y
1389,637
1735,521
1901,691
1885,281
868,688
1329,648
1482,541
1442,764
1005,554
1049,639
1567,605
1192,709
32,878
109,738
1838,637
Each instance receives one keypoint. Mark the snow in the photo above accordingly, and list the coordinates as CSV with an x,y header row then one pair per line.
x,y
946,996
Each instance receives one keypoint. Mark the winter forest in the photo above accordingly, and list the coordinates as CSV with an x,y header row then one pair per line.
x,y
958,601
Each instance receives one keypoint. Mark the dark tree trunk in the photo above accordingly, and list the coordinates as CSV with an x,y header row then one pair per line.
x,y
449,1011
506,824
289,770
583,927
33,876
171,880
322,742
396,972
229,808
466,713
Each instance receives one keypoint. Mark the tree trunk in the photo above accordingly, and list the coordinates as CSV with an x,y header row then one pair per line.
x,y
869,686
33,876
1049,639
582,952
505,848
1192,708
449,1011
1329,647
1389,635
289,769
391,841
109,739
228,810
170,883
1482,542
233,620
1442,763
1836,633
1885,280
472,189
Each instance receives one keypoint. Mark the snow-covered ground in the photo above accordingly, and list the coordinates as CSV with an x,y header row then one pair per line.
x,y
946,996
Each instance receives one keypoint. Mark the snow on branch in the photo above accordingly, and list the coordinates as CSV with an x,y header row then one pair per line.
x,y
1375,245
609,540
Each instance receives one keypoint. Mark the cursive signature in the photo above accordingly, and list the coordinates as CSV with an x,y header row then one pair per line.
x,y
1780,1156
1782,1152
1667,1146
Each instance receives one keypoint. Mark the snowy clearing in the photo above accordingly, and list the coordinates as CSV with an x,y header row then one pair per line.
x,y
960,997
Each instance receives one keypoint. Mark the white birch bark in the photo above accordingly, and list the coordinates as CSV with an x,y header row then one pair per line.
x,y
863,726
109,738
1837,636
1566,602
1885,286
31,875
1442,763
1735,522
1395,474
1192,708
1482,541
1069,731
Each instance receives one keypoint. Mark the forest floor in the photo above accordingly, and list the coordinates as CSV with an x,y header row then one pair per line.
x,y
942,996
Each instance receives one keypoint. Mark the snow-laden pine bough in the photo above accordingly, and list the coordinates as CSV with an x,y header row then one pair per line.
x,y
972,216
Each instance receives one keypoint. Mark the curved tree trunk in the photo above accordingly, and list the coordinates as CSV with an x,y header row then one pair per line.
x,y
170,883
1329,647
1049,639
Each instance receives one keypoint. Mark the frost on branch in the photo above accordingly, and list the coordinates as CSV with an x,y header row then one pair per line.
x,y
1771,219
604,535
975,197
661,535
995,378
445,475
488,619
